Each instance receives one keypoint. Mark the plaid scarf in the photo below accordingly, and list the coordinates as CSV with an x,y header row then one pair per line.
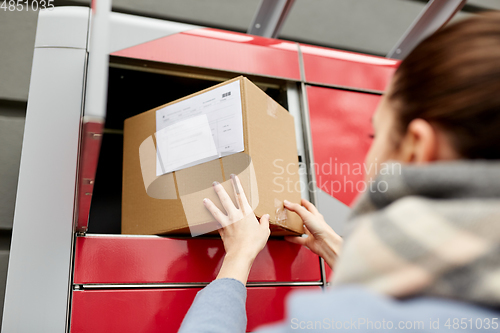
x,y
428,230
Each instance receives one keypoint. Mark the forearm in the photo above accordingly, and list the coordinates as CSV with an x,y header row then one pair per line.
x,y
236,267
219,307
330,248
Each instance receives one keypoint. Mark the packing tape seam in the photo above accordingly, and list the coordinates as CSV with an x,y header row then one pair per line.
x,y
280,212
222,169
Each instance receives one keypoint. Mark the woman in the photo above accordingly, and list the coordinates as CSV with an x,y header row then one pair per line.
x,y
423,255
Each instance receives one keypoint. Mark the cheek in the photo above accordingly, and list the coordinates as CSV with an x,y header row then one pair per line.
x,y
370,160
379,152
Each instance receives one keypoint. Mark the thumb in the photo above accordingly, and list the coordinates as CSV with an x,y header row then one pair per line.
x,y
264,221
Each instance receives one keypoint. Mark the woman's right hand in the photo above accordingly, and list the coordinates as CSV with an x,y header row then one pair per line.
x,y
321,239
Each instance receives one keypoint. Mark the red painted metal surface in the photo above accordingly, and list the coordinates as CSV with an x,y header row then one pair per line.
x,y
267,305
346,69
225,50
340,129
131,311
162,310
91,144
108,259
328,272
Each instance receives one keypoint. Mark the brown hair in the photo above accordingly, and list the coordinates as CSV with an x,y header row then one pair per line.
x,y
452,80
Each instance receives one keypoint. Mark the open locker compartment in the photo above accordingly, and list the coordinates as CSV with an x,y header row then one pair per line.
x,y
103,256
135,87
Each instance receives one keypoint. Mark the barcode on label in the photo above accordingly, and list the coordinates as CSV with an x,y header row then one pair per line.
x,y
226,94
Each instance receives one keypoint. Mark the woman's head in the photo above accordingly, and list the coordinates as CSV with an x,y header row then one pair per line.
x,y
444,100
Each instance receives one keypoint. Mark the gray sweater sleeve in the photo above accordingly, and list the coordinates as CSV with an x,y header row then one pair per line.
x,y
219,307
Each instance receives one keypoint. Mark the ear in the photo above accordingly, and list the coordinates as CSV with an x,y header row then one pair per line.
x,y
420,143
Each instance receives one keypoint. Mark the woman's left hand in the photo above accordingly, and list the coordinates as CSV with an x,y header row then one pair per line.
x,y
243,236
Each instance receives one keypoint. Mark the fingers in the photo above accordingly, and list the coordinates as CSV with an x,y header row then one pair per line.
x,y
299,239
296,240
310,207
264,221
239,193
216,213
224,198
302,211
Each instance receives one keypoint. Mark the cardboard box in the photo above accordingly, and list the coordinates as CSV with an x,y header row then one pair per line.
x,y
171,203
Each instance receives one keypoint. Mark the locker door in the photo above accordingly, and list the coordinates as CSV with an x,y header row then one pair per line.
x,y
266,305
162,310
222,50
346,69
147,283
340,129
139,260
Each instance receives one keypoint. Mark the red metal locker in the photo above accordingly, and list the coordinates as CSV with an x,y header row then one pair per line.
x,y
125,260
223,50
328,273
266,305
134,311
162,310
340,129
346,69
137,260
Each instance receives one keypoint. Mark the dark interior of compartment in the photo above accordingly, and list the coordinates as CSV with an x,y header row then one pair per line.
x,y
132,92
